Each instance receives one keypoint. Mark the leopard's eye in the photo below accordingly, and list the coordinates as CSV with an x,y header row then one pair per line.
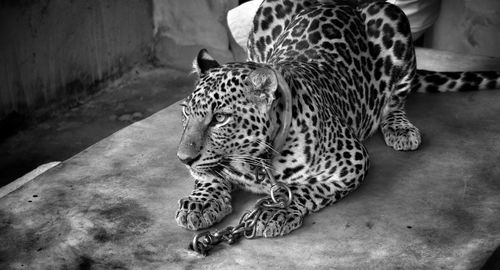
x,y
221,119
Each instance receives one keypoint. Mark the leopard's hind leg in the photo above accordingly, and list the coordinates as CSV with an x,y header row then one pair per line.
x,y
399,133
391,45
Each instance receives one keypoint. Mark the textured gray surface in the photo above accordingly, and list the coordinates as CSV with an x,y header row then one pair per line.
x,y
113,205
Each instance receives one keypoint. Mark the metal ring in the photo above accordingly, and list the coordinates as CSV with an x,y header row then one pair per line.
x,y
277,187
195,241
252,234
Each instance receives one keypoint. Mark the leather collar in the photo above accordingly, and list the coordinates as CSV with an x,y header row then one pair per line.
x,y
279,140
286,120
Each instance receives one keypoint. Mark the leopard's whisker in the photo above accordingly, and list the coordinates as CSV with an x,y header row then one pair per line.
x,y
267,146
219,173
252,161
227,168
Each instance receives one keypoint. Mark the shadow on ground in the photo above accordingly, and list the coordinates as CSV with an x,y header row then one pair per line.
x,y
134,96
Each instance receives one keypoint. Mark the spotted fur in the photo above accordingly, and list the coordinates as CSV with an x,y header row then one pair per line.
x,y
349,67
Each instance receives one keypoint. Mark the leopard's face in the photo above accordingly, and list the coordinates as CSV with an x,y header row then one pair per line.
x,y
224,129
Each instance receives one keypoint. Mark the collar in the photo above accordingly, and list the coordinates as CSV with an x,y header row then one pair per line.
x,y
261,172
286,96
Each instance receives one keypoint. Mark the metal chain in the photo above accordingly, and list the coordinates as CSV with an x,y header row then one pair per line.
x,y
281,197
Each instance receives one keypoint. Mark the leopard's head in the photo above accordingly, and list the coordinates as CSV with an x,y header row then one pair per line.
x,y
228,124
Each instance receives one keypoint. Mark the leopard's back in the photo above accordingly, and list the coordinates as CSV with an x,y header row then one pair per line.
x,y
345,73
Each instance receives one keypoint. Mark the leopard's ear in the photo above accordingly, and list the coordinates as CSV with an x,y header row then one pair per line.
x,y
263,84
203,62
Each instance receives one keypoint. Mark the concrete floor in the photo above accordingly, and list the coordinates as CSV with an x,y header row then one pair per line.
x,y
133,97
113,205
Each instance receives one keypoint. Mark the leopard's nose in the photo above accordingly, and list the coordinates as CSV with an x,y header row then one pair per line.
x,y
186,159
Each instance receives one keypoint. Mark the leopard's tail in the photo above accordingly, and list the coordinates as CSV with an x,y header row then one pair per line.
x,y
436,81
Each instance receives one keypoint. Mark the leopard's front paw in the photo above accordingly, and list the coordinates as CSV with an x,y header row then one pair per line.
x,y
195,214
277,222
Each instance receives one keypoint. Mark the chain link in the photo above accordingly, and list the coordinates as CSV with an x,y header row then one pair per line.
x,y
281,197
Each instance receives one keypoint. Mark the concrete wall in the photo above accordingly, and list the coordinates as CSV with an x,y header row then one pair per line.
x,y
52,51
182,28
467,26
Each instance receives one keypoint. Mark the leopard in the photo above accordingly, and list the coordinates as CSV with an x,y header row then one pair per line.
x,y
321,77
